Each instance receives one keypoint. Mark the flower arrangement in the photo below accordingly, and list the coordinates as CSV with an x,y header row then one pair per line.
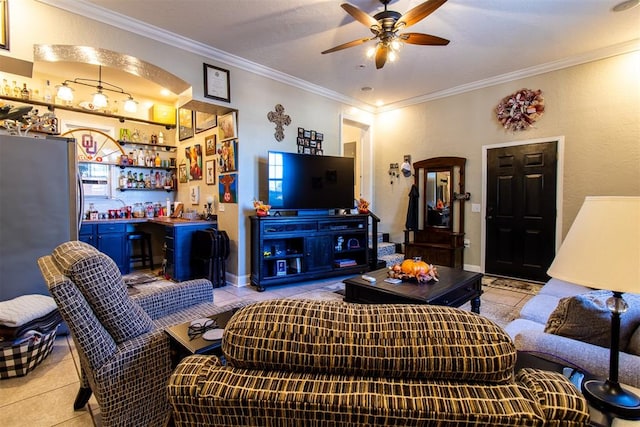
x,y
414,269
261,208
521,109
363,206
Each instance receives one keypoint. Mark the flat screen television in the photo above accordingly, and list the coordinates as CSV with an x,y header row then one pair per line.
x,y
305,181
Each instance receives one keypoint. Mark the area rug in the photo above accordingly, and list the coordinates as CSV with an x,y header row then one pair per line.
x,y
513,285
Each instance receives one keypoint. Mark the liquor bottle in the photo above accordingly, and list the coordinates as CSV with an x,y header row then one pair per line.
x,y
24,93
122,182
48,97
141,160
6,89
158,161
16,90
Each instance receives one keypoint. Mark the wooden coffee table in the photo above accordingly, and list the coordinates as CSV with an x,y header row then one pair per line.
x,y
454,288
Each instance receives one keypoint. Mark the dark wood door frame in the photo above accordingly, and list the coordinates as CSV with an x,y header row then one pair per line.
x,y
559,189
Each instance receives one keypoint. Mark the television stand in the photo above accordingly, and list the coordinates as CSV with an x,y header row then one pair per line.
x,y
287,249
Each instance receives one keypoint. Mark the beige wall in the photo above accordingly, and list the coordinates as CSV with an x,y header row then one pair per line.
x,y
595,106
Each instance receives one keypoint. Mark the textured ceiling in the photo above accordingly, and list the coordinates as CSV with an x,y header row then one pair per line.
x,y
489,38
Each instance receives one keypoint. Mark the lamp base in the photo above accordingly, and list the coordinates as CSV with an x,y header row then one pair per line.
x,y
611,397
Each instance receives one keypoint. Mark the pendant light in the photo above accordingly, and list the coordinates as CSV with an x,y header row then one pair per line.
x,y
100,99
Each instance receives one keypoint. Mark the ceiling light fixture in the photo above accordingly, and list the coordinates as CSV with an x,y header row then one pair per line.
x,y
100,99
625,5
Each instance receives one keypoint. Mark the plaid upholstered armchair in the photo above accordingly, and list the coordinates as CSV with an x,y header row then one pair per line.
x,y
124,353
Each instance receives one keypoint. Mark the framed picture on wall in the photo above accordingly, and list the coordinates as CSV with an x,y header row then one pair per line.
x,y
193,156
227,126
4,24
185,124
194,194
210,172
216,83
182,173
210,145
205,121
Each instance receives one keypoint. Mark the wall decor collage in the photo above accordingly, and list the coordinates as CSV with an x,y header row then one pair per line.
x,y
310,142
217,161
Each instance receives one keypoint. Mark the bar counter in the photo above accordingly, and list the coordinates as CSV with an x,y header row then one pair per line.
x,y
170,241
162,220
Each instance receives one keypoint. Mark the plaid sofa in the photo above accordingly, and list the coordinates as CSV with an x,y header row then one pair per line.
x,y
124,352
329,363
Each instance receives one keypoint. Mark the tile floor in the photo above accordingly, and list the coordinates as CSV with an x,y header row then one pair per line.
x,y
45,396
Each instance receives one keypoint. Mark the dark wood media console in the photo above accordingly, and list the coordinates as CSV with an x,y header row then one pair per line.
x,y
287,249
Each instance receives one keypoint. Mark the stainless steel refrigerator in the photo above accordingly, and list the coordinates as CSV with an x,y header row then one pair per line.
x,y
40,205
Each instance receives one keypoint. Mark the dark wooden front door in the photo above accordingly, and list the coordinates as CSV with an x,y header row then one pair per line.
x,y
521,210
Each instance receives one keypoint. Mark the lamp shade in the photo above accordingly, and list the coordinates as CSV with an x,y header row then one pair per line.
x,y
99,100
602,248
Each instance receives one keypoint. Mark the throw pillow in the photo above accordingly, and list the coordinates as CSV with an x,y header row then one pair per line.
x,y
587,318
634,343
99,280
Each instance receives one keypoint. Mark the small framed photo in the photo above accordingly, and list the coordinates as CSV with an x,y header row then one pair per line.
x,y
182,173
281,267
210,145
210,172
4,24
227,126
194,194
205,121
216,83
185,124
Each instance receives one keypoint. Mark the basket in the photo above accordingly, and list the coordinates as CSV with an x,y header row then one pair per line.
x,y
18,360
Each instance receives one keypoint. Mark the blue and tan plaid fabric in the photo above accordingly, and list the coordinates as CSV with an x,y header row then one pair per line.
x,y
326,363
128,374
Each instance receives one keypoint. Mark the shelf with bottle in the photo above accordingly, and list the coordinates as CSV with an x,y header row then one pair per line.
x,y
52,106
146,158
155,145
133,180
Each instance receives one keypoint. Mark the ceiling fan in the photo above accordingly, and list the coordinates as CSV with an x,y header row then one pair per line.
x,y
386,26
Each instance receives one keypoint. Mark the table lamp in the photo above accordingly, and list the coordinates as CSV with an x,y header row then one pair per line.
x,y
602,251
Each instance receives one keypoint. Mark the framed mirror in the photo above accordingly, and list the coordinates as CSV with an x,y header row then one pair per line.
x,y
439,229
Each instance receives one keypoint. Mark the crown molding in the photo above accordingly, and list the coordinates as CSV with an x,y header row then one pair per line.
x,y
91,11
595,55
126,23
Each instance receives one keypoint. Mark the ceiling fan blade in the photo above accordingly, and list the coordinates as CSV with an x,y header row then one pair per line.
x,y
381,56
359,15
419,12
423,39
349,44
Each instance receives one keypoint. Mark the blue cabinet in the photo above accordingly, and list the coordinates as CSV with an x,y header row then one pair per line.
x,y
177,246
111,239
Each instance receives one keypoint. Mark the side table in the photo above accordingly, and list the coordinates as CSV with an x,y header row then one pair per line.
x,y
598,418
183,345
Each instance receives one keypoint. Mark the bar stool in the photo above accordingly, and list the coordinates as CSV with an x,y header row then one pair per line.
x,y
144,242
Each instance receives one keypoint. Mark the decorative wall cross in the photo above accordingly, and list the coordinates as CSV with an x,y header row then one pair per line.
x,y
279,118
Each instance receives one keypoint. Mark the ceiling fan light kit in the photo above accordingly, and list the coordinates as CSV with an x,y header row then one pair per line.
x,y
386,27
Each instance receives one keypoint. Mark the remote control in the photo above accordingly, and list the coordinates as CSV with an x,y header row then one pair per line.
x,y
393,281
368,278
